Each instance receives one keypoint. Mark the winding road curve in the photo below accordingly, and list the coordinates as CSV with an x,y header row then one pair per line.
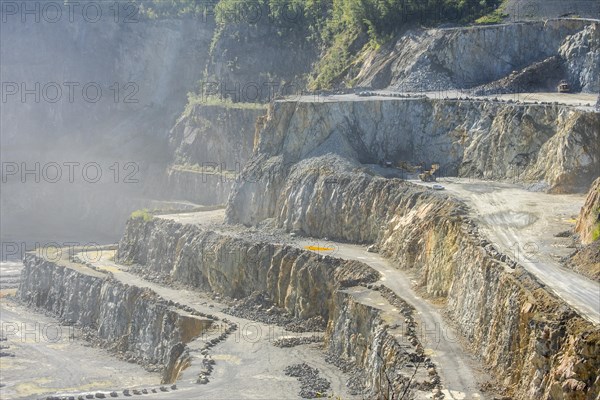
x,y
455,367
524,225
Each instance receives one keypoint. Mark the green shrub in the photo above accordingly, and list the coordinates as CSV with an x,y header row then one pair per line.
x,y
144,215
194,99
596,232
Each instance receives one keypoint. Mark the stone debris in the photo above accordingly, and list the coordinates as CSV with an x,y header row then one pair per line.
x,y
259,307
311,384
297,341
356,380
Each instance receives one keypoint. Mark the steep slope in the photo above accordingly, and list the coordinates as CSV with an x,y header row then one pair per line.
x,y
552,145
126,319
309,175
255,58
455,58
586,259
588,223
211,144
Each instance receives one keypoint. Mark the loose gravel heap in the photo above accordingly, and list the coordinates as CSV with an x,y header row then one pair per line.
x,y
356,381
258,307
297,341
311,385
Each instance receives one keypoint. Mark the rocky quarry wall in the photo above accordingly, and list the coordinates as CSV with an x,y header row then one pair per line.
x,y
589,217
550,146
586,259
455,58
300,281
126,319
305,176
536,344
210,145
255,59
304,283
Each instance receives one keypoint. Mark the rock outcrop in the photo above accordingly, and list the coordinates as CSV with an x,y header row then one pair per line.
x,y
457,58
581,52
588,223
300,281
211,144
124,318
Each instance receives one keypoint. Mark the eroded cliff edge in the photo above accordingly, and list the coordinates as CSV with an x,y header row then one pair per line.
x,y
550,146
133,322
210,144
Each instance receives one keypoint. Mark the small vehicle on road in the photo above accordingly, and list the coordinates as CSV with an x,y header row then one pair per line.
x,y
563,87
437,186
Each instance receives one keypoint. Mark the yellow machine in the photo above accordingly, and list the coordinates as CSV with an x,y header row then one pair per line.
x,y
428,176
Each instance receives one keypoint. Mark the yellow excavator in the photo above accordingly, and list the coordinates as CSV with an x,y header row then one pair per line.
x,y
428,176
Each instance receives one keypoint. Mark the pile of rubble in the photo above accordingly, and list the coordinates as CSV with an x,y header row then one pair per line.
x,y
311,384
259,307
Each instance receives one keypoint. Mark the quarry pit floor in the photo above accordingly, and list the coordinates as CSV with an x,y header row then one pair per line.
x,y
41,356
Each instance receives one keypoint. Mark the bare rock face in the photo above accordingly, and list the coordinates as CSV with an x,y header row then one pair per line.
x,y
215,134
442,59
586,260
210,143
554,146
588,223
249,61
124,318
581,52
508,318
298,280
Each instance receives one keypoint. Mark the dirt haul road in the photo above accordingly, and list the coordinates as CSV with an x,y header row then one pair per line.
x,y
460,376
524,225
248,365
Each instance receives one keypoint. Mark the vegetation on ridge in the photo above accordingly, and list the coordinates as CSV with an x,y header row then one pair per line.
x,y
342,30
